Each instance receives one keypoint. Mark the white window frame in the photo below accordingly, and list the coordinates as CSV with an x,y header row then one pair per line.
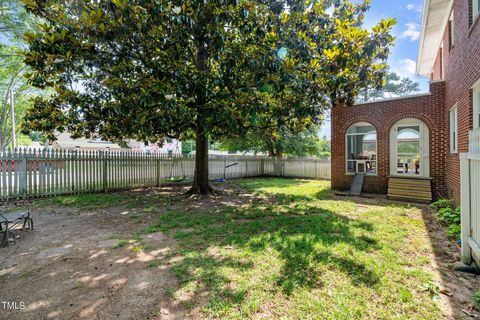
x,y
476,105
453,129
475,9
451,31
361,123
442,61
424,147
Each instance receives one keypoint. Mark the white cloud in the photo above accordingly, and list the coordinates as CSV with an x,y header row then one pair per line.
x,y
414,7
408,68
412,32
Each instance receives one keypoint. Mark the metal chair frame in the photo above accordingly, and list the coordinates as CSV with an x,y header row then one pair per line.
x,y
8,221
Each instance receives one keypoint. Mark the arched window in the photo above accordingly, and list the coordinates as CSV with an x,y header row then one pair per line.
x,y
409,150
362,148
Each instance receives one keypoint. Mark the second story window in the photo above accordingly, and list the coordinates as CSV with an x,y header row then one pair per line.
x,y
475,5
442,62
451,32
453,129
476,106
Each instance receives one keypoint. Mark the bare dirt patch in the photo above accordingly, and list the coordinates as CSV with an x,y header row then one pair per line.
x,y
68,267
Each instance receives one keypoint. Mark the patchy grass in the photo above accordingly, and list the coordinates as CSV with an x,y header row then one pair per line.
x,y
78,285
296,252
154,263
96,201
287,249
83,201
135,244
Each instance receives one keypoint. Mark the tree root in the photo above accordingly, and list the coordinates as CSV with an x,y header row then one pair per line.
x,y
197,191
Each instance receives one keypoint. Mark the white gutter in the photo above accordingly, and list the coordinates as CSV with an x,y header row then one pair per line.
x,y
426,4
432,32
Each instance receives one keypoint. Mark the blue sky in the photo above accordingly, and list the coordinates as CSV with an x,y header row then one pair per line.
x,y
409,19
407,31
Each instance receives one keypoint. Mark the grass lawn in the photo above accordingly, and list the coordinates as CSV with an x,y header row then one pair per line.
x,y
278,248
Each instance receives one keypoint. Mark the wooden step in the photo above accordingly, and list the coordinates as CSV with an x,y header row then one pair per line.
x,y
411,189
406,193
410,182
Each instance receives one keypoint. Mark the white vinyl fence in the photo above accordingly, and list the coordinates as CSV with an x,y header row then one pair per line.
x,y
470,199
32,173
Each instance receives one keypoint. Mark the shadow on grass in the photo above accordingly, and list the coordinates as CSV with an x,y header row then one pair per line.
x,y
301,237
268,182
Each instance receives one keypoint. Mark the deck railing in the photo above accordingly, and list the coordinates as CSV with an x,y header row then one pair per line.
x,y
474,145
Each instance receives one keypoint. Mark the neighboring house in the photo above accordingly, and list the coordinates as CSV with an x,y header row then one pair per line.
x,y
407,145
35,145
65,141
170,146
228,153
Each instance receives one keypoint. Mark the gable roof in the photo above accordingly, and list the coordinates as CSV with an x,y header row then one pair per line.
x,y
65,141
435,19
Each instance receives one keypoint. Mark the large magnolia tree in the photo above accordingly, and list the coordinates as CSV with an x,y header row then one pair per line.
x,y
147,70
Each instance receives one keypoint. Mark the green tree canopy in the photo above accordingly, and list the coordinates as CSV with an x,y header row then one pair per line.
x,y
147,70
14,21
279,143
394,86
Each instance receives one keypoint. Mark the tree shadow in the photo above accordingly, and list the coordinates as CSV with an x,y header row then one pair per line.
x,y
302,241
268,182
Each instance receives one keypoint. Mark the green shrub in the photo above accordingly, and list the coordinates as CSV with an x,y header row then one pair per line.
x,y
449,215
441,203
453,230
476,298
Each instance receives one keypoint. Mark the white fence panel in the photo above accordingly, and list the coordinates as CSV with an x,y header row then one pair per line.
x,y
474,145
307,168
470,199
25,173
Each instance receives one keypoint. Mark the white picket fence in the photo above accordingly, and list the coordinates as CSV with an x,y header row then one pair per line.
x,y
470,199
33,173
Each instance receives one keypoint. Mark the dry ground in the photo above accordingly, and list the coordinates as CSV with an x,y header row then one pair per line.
x,y
153,254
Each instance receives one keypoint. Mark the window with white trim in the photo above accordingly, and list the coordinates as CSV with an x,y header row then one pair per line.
x,y
361,148
476,106
442,62
475,9
453,130
451,31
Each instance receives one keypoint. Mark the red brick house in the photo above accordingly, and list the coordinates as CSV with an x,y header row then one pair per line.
x,y
403,145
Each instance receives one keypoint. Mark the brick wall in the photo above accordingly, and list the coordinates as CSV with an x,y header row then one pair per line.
x,y
383,115
461,71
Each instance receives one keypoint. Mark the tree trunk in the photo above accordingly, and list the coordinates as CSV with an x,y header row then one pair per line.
x,y
201,183
365,95
278,163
